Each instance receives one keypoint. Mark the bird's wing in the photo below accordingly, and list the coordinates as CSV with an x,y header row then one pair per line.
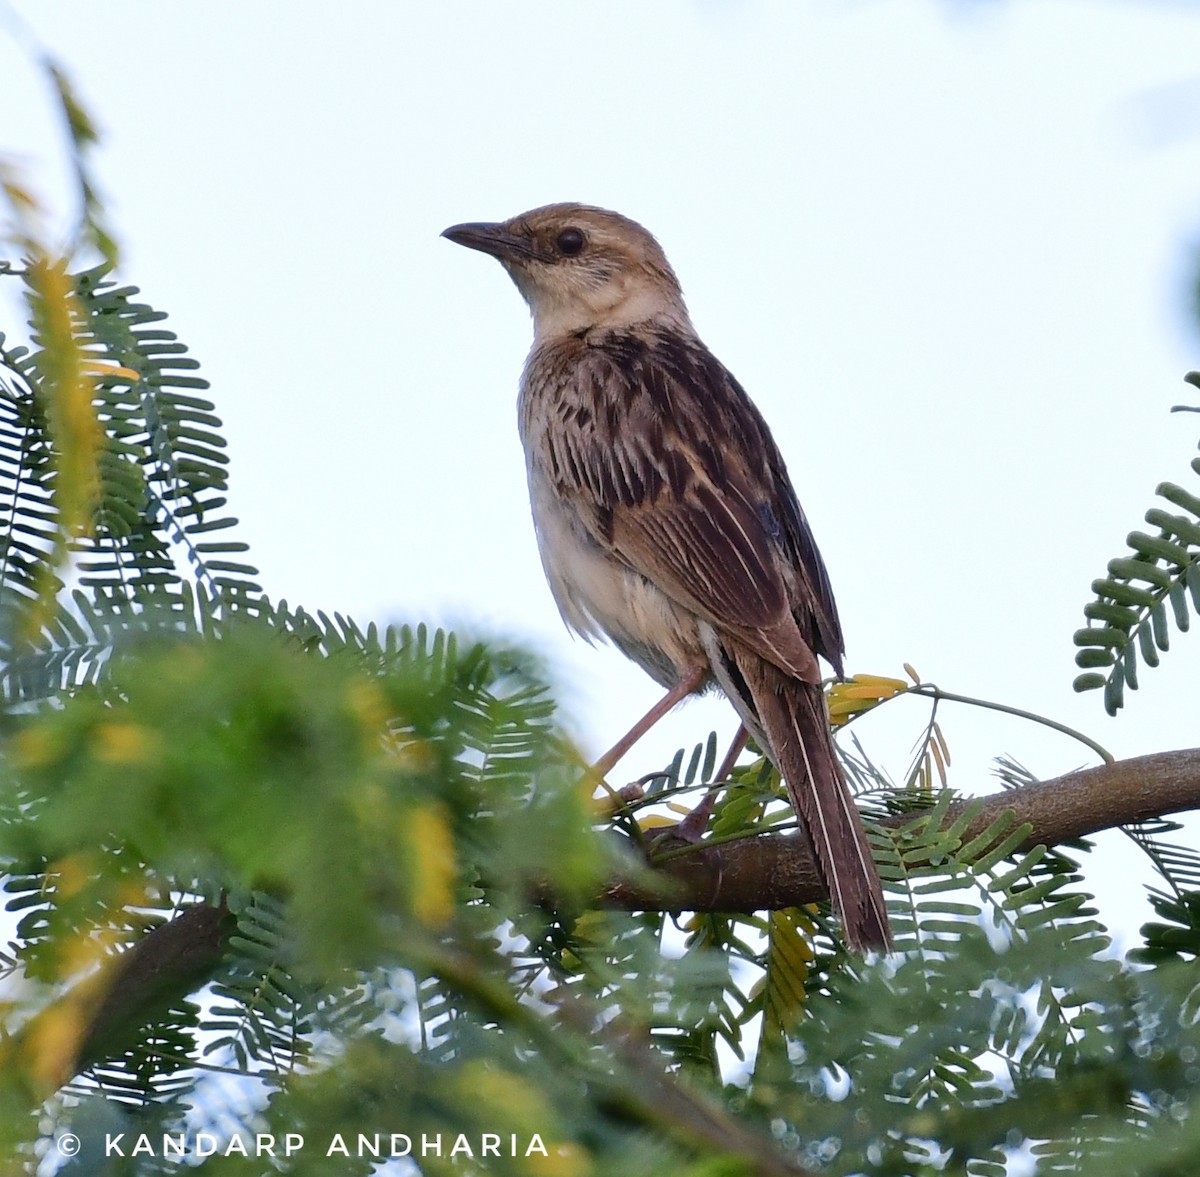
x,y
672,468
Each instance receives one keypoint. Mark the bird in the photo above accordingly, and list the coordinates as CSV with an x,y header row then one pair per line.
x,y
665,517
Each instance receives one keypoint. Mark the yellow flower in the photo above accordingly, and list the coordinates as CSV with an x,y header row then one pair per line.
x,y
124,743
431,845
33,747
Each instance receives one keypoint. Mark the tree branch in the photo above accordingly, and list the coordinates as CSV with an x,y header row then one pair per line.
x,y
776,871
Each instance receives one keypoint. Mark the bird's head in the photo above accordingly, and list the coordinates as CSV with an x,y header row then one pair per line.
x,y
580,267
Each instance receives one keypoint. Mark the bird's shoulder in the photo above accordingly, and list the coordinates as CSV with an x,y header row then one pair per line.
x,y
653,396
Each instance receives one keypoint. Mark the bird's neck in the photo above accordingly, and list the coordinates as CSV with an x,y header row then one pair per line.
x,y
555,320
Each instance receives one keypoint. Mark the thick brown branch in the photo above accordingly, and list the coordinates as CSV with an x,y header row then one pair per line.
x,y
768,873
101,1014
186,951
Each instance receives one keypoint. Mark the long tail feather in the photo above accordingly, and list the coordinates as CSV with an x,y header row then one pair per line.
x,y
792,716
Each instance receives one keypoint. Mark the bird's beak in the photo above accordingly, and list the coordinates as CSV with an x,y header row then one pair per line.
x,y
490,237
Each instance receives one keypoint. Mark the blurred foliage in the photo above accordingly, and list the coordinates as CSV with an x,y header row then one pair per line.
x,y
398,858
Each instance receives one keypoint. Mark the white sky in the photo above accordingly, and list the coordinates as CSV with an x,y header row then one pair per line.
x,y
946,248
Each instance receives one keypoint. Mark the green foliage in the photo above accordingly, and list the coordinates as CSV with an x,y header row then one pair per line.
x,y
1143,595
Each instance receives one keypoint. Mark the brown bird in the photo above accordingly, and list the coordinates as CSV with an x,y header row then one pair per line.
x,y
665,516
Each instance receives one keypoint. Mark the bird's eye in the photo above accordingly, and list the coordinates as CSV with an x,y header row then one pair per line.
x,y
570,242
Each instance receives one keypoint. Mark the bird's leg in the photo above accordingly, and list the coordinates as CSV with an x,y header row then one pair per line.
x,y
692,828
688,684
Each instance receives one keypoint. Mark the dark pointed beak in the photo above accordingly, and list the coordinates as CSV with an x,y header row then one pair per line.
x,y
490,237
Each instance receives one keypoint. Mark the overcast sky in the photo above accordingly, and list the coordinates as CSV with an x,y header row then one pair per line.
x,y
946,248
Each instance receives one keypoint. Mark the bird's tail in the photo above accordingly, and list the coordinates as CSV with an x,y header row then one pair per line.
x,y
793,717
